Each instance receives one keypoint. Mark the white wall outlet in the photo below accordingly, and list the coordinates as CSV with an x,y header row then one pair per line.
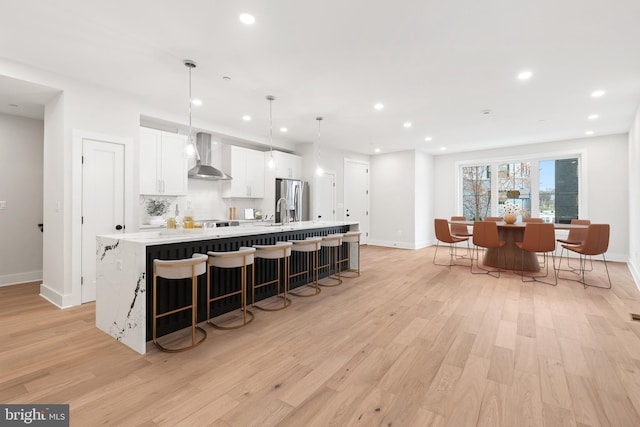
x,y
3,205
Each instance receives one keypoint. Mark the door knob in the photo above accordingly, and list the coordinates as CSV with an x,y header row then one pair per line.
x,y
119,227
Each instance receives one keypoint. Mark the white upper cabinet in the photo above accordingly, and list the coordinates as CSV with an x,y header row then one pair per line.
x,y
163,163
287,165
246,166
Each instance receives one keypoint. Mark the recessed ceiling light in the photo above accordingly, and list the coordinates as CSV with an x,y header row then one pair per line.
x,y
443,148
589,132
428,139
284,129
407,124
597,93
247,18
246,118
196,101
377,150
525,75
379,106
593,117
226,78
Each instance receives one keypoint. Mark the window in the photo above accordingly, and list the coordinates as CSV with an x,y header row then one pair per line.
x,y
476,191
546,188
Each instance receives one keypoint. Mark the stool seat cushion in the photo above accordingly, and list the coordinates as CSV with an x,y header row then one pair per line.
x,y
332,240
351,236
232,259
181,268
310,244
277,251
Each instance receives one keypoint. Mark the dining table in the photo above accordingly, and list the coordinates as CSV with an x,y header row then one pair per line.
x,y
510,256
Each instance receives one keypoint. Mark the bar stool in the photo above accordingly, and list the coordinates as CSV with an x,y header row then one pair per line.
x,y
179,269
281,251
241,258
349,238
333,243
310,247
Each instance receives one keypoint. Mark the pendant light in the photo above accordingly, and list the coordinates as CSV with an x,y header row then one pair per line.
x,y
319,170
272,162
191,147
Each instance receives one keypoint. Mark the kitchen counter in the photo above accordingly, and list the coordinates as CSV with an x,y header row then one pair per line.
x,y
124,267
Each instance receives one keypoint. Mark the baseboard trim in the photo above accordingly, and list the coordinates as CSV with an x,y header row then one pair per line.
x,y
19,278
54,297
634,273
400,245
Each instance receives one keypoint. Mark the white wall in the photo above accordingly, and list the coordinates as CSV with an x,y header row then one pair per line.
x,y
605,181
634,198
21,158
84,107
424,186
393,199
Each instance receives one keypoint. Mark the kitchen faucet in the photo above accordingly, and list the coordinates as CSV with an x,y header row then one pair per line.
x,y
284,218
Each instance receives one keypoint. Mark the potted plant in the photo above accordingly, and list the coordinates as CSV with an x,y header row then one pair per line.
x,y
156,208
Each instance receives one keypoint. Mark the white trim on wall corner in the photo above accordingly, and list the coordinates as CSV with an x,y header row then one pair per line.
x,y
635,274
20,278
55,298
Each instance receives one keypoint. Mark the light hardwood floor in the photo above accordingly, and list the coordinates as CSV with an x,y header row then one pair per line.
x,y
406,344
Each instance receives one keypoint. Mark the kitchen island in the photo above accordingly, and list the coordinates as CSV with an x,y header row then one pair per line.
x,y
124,267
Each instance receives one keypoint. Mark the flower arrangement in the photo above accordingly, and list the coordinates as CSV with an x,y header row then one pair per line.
x,y
157,207
509,207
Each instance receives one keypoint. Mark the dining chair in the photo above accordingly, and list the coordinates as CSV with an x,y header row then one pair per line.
x,y
443,234
534,220
493,218
485,235
539,238
596,242
575,237
460,230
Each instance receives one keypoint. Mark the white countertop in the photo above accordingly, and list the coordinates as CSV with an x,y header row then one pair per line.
x,y
160,237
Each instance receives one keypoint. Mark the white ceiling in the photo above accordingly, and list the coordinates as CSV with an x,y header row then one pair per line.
x,y
437,64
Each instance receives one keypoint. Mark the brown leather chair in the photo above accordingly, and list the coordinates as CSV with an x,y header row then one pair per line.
x,y
539,238
443,234
596,242
493,218
575,237
485,235
460,230
534,220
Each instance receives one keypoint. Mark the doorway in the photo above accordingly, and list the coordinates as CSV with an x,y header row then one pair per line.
x,y
326,197
356,195
101,187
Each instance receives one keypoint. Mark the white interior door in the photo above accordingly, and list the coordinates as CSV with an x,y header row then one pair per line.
x,y
102,203
326,197
356,195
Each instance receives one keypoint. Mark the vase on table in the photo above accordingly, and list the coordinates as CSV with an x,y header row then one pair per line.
x,y
510,218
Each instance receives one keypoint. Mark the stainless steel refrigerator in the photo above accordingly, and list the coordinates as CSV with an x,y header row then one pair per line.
x,y
296,195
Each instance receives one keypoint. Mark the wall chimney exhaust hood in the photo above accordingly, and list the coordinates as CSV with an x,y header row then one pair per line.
x,y
203,168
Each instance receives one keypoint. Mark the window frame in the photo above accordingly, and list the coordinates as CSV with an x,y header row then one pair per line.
x,y
534,158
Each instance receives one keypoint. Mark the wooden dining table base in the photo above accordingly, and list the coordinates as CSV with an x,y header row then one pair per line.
x,y
510,256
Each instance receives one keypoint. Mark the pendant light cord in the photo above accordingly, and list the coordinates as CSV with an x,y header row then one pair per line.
x,y
270,98
191,64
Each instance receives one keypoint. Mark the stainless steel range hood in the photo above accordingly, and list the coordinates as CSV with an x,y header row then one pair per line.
x,y
203,168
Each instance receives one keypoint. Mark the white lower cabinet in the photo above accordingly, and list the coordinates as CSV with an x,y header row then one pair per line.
x,y
246,166
163,163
